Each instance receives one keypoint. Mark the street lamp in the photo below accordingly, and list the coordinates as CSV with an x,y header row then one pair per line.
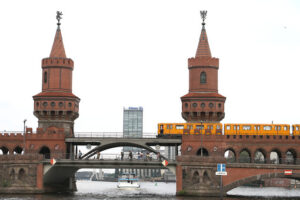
x,y
201,127
24,135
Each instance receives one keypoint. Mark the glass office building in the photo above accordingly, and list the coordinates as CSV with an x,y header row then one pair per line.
x,y
132,125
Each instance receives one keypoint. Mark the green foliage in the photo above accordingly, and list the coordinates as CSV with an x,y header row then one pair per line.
x,y
181,193
5,183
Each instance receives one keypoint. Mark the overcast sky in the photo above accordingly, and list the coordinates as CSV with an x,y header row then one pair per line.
x,y
134,53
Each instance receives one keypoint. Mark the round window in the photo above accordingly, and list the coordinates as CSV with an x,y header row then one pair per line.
x,y
45,104
211,105
186,105
37,104
189,148
70,104
202,105
52,104
194,105
220,105
61,104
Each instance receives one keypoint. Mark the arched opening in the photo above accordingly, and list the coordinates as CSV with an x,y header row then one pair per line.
x,y
184,174
45,77
202,152
245,156
18,150
21,175
196,178
3,150
290,157
275,157
259,156
45,151
205,178
203,77
230,156
12,174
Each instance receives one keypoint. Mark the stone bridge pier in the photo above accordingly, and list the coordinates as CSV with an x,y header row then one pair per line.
x,y
196,175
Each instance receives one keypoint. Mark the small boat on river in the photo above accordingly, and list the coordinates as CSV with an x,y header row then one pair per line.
x,y
128,181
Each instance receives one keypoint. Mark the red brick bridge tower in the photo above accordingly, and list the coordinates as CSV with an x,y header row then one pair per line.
x,y
203,102
56,106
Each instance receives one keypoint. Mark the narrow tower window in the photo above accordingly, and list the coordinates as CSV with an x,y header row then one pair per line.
x,y
45,77
203,77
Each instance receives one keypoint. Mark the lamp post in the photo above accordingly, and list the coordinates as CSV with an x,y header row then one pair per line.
x,y
201,127
24,135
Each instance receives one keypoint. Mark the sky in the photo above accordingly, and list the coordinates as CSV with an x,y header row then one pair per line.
x,y
134,53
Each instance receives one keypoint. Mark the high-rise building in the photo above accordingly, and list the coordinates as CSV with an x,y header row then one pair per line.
x,y
132,125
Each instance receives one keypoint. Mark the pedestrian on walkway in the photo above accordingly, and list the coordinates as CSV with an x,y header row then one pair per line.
x,y
98,155
122,155
130,155
80,154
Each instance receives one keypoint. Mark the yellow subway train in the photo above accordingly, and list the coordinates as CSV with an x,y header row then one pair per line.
x,y
178,129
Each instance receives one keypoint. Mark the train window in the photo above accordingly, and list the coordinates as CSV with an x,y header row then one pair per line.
x,y
201,127
234,127
267,128
258,127
297,128
218,127
161,126
285,128
275,128
179,126
279,128
238,127
246,128
228,127
171,126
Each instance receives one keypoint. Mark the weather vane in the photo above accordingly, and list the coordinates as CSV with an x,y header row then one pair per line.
x,y
203,14
58,17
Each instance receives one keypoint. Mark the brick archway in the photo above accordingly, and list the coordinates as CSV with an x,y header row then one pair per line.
x,y
255,177
231,156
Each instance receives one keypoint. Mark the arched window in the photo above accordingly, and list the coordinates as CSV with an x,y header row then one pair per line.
x,y
203,77
45,77
45,151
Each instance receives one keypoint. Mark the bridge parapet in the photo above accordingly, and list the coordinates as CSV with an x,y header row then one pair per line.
x,y
111,135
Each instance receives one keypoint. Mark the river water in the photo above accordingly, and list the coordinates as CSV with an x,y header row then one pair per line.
x,y
93,190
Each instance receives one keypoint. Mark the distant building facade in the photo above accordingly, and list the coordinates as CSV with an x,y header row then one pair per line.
x,y
132,125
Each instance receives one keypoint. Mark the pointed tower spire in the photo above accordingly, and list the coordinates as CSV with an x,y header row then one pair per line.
x,y
58,50
203,103
203,49
56,106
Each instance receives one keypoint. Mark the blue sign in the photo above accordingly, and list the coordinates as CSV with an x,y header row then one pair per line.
x,y
221,168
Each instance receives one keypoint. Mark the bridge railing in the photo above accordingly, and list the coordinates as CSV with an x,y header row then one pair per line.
x,y
113,135
107,156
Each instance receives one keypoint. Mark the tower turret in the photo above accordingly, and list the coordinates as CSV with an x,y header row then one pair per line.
x,y
56,106
203,102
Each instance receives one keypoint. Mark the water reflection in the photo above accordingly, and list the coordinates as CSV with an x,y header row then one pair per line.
x,y
90,190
